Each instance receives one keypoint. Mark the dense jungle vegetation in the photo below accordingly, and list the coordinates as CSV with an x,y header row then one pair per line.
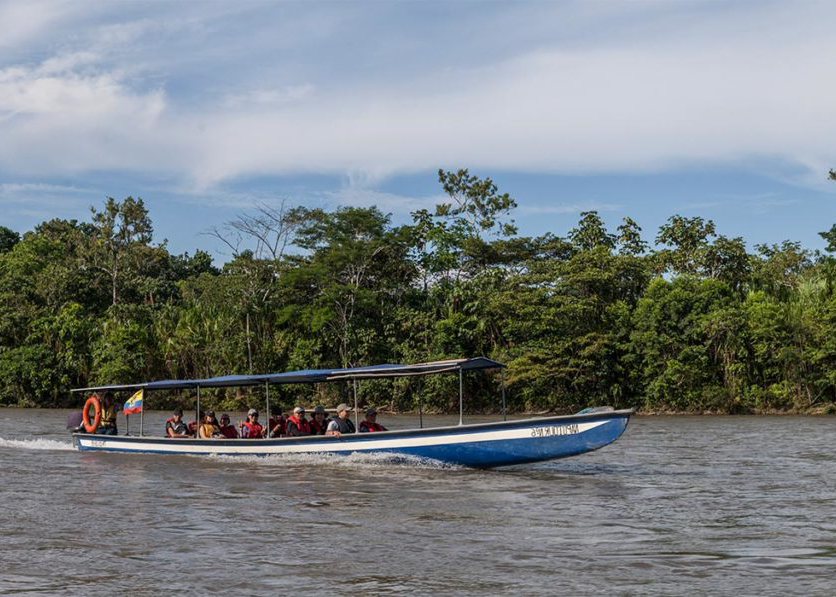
x,y
694,322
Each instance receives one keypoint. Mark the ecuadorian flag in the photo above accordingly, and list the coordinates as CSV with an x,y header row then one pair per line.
x,y
134,404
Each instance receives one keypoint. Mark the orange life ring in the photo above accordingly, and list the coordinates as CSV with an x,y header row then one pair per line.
x,y
85,414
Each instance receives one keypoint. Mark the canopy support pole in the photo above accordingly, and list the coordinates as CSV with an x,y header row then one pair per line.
x,y
502,383
142,412
356,412
461,400
420,413
267,392
127,424
197,414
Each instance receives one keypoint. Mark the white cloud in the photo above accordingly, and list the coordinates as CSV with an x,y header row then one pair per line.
x,y
688,84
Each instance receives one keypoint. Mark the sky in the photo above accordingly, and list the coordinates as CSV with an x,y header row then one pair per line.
x,y
724,110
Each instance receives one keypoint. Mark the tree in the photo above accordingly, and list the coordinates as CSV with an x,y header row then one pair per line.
x,y
8,239
120,229
591,233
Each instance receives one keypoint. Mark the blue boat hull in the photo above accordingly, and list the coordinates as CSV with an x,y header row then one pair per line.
x,y
480,446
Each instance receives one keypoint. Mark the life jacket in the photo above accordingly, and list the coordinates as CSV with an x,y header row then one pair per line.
x,y
254,430
318,428
368,427
209,430
108,416
303,427
345,425
229,431
174,424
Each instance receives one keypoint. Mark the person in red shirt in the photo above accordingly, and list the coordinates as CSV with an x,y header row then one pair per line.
x,y
251,428
278,426
370,423
229,431
318,421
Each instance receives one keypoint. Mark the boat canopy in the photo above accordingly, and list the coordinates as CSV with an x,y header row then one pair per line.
x,y
308,376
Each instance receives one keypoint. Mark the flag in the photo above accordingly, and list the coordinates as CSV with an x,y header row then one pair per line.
x,y
134,404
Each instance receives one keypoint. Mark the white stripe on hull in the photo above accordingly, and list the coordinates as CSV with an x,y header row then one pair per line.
x,y
174,445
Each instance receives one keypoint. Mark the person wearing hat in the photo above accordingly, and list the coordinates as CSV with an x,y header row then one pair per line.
x,y
251,428
341,423
175,427
228,431
318,423
297,424
370,424
209,428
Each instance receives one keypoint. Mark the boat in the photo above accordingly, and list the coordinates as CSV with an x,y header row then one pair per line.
x,y
479,445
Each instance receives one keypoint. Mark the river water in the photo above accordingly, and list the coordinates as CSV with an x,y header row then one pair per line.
x,y
679,505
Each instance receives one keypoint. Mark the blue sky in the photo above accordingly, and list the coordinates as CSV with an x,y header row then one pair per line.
x,y
640,109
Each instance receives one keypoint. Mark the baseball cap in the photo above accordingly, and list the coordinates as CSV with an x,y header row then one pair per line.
x,y
341,407
251,412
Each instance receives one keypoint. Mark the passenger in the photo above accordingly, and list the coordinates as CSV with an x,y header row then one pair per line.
x,y
107,425
250,428
195,424
278,425
297,424
370,424
209,428
318,423
228,431
341,423
175,427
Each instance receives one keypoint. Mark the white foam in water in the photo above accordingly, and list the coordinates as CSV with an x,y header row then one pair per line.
x,y
354,460
35,444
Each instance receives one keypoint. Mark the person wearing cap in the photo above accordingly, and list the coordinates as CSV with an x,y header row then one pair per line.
x,y
318,423
341,423
175,427
251,428
209,428
370,423
228,431
297,424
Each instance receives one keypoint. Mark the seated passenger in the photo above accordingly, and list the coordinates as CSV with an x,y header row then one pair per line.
x,y
370,423
209,428
297,424
341,423
318,423
250,428
195,424
107,425
175,427
228,431
278,425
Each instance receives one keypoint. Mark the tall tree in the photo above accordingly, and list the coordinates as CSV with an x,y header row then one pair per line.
x,y
120,228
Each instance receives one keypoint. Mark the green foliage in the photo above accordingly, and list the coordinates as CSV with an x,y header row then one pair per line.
x,y
596,317
8,239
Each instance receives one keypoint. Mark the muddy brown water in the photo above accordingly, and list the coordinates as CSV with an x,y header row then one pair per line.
x,y
679,505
